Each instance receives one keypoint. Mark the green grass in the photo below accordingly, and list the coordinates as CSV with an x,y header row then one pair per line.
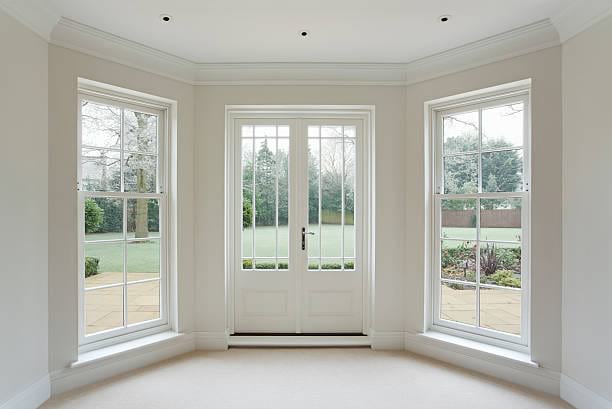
x,y
491,233
142,257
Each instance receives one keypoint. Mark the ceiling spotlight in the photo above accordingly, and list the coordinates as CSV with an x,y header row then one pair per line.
x,y
445,18
166,18
304,33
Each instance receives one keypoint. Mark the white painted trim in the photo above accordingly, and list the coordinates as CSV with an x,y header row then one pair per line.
x,y
580,396
299,340
87,371
92,41
502,367
31,397
212,341
387,340
579,15
37,17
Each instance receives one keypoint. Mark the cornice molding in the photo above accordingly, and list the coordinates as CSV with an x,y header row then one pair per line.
x,y
34,14
89,40
579,15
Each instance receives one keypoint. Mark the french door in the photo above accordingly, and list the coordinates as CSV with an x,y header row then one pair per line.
x,y
297,231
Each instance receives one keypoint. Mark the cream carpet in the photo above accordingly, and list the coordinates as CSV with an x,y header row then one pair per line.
x,y
355,378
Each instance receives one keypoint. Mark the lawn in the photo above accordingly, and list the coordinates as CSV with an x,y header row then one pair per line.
x,y
489,233
142,257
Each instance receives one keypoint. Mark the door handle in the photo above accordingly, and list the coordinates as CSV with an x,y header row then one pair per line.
x,y
304,233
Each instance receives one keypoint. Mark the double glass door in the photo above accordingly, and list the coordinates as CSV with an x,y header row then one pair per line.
x,y
297,226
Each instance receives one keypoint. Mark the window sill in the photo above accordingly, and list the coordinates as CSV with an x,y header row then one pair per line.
x,y
471,347
90,357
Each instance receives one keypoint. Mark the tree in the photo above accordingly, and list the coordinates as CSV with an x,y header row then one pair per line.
x,y
265,186
94,216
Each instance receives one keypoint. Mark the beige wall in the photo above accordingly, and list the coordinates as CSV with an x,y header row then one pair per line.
x,y
544,69
23,208
587,205
390,177
65,67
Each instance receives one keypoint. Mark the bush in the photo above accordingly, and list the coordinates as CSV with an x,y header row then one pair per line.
x,y
247,214
283,265
91,266
502,278
94,216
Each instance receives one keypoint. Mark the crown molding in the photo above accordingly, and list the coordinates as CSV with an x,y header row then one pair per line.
x,y
34,14
579,15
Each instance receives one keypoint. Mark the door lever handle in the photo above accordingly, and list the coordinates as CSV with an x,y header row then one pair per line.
x,y
304,233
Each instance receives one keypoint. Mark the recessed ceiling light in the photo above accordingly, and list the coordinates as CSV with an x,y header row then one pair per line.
x,y
304,33
445,18
166,18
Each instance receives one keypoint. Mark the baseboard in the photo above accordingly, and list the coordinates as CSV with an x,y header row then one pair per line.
x,y
580,396
211,341
299,341
100,369
31,397
387,340
530,376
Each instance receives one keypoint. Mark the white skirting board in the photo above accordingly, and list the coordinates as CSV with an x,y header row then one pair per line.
x,y
530,376
211,341
580,396
387,340
31,397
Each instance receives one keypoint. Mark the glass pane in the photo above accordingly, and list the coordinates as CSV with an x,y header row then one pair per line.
x,y
500,219
461,133
503,126
461,174
283,264
265,131
142,218
103,264
265,197
140,131
502,171
247,264
103,218
100,170
500,310
458,260
331,197
100,125
140,173
350,132
459,219
143,302
331,132
283,131
103,309
350,165
313,131
349,264
313,264
313,194
282,168
331,264
265,264
458,303
142,260
247,197
247,131
500,264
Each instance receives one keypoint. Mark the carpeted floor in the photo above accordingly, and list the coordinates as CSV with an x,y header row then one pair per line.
x,y
355,378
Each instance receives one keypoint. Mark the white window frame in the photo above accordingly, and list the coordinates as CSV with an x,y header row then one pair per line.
x,y
125,99
435,110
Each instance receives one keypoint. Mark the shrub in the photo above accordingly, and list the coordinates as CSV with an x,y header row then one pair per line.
x,y
247,214
91,266
503,278
94,216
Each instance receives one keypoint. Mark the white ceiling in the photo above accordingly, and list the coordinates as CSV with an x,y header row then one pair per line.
x,y
358,31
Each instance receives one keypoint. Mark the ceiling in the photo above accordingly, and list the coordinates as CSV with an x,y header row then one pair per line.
x,y
351,31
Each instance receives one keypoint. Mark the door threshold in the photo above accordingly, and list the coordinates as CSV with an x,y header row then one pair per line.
x,y
299,340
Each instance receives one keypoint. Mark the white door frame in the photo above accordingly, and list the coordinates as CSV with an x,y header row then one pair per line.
x,y
363,112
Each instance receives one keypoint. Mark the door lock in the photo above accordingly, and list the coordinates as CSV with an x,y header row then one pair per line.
x,y
304,233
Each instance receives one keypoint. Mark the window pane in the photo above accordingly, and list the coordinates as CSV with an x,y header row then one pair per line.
x,y
350,132
459,219
331,264
100,170
313,131
500,264
350,169
331,132
103,309
100,125
283,264
247,131
282,168
461,174
247,196
313,264
142,218
103,218
503,126
458,303
502,171
500,219
265,131
458,260
461,133
143,302
500,310
265,197
331,197
283,131
142,260
314,158
140,173
140,131
265,264
103,264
